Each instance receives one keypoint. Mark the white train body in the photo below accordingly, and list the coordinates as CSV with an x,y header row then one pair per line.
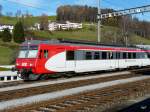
x,y
50,58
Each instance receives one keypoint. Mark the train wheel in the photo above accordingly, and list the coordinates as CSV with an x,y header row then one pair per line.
x,y
33,77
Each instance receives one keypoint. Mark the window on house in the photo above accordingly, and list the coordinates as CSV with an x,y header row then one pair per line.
x,y
8,77
2,78
15,77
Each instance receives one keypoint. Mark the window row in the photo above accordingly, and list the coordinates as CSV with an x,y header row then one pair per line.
x,y
96,55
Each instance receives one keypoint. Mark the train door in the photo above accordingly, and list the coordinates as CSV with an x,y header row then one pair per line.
x,y
112,60
118,59
42,58
70,60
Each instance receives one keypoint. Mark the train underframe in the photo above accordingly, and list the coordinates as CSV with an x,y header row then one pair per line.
x,y
26,75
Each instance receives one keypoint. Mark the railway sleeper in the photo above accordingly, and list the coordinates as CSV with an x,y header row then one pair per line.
x,y
82,101
73,102
45,109
65,105
57,107
35,111
53,107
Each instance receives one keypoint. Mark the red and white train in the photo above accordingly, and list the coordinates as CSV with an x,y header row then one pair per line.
x,y
37,58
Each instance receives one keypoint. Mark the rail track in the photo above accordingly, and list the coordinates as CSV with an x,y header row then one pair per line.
x,y
16,83
104,93
13,94
88,101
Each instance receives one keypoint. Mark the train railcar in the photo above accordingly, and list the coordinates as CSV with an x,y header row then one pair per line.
x,y
37,58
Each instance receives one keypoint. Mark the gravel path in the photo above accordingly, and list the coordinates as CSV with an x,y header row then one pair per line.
x,y
59,81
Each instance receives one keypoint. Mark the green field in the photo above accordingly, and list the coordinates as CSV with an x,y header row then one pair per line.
x,y
5,55
13,20
7,52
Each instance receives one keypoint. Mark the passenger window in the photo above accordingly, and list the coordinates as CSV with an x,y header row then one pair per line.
x,y
129,55
118,55
70,55
104,55
45,53
124,55
88,55
96,55
114,55
79,55
139,55
134,55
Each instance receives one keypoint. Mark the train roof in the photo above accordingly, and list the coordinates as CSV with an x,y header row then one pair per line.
x,y
75,43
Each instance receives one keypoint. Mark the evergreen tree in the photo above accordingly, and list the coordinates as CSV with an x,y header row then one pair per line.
x,y
6,35
18,33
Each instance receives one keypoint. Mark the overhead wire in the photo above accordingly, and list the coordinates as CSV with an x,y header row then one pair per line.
x,y
27,5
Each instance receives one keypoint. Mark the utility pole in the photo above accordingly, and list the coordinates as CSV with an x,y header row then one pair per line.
x,y
99,23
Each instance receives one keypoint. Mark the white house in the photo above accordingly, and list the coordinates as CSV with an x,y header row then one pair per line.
x,y
69,25
37,26
52,26
74,25
4,26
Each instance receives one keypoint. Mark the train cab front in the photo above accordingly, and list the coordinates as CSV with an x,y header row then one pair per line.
x,y
26,62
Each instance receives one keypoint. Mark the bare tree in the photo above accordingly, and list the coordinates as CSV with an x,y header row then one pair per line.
x,y
18,13
27,20
125,24
44,22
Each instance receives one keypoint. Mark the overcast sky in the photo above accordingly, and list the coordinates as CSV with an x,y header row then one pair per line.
x,y
38,7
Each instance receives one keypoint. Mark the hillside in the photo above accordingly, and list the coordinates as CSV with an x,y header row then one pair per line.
x,y
89,32
13,20
7,52
109,35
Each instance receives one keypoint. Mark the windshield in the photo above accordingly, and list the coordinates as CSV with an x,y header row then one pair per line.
x,y
32,53
22,54
28,52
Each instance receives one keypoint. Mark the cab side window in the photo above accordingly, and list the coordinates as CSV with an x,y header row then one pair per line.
x,y
40,54
45,53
